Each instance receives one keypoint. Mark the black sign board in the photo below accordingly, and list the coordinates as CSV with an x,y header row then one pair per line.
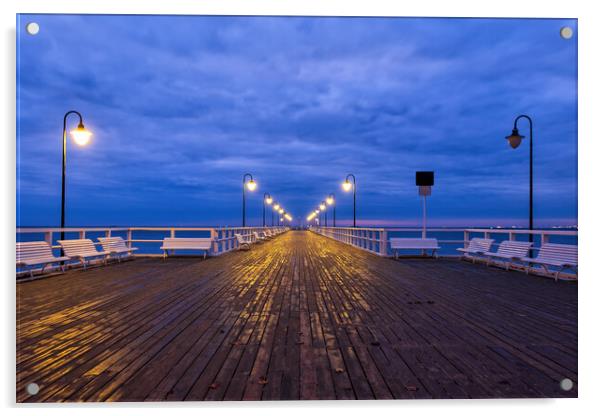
x,y
425,178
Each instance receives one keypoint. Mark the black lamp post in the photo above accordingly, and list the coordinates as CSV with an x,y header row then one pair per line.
x,y
81,136
515,140
251,185
267,199
332,201
347,187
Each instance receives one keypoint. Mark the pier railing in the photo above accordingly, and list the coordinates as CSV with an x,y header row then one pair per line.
x,y
146,239
376,240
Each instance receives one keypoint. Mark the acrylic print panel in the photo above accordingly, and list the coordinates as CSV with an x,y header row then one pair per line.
x,y
226,208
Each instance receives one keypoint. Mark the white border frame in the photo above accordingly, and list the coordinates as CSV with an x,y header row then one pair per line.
x,y
590,68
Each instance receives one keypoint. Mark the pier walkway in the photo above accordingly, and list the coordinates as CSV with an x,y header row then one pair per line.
x,y
299,317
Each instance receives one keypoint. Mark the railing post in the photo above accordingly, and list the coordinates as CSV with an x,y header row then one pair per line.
x,y
129,237
383,243
48,237
82,234
214,246
466,238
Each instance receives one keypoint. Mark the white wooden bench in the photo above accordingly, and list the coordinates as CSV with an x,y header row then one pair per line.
x,y
509,251
201,244
414,244
476,246
259,237
116,246
244,241
82,250
37,253
562,256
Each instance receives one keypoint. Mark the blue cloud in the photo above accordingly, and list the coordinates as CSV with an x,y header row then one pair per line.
x,y
182,106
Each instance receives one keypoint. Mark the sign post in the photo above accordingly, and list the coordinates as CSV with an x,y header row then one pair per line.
x,y
424,182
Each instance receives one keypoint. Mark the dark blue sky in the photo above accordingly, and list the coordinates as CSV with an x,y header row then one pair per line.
x,y
181,107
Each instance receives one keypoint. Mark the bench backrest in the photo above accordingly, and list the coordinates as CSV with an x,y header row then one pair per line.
x,y
112,243
564,253
244,239
414,243
81,247
480,244
514,248
33,250
259,234
189,243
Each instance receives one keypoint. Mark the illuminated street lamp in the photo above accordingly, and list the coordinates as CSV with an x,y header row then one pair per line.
x,y
267,200
347,186
514,140
275,207
81,137
331,201
251,185
323,208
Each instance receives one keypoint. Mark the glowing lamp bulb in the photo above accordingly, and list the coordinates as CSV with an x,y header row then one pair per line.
x,y
330,200
322,206
251,185
80,135
347,186
280,211
269,200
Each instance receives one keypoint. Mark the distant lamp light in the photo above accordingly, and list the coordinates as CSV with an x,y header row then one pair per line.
x,y
317,211
330,200
269,200
81,135
251,185
322,206
280,211
515,138
277,207
347,185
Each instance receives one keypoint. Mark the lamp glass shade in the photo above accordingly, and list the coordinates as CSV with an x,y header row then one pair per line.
x,y
322,206
251,185
347,186
514,139
280,211
269,200
276,207
330,200
81,136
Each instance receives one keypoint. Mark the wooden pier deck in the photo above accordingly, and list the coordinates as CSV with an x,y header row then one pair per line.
x,y
299,317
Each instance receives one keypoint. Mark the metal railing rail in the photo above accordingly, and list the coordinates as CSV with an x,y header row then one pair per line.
x,y
224,238
375,240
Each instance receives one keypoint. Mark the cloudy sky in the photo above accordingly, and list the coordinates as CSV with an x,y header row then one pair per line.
x,y
181,107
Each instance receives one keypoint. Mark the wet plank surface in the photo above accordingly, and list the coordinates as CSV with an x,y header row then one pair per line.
x,y
299,317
